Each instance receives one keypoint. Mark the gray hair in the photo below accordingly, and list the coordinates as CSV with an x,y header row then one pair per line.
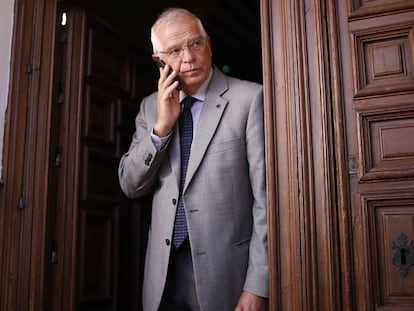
x,y
169,16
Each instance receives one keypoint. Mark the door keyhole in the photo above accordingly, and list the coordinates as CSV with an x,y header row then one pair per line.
x,y
403,259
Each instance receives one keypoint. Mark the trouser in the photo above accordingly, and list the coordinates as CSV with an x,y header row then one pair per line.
x,y
180,292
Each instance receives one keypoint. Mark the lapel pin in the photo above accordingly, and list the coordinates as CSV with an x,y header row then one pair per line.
x,y
218,106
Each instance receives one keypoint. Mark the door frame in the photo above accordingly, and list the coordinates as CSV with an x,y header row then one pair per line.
x,y
305,158
26,157
309,232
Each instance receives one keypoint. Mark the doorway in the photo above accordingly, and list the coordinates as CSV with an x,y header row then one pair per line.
x,y
81,242
338,79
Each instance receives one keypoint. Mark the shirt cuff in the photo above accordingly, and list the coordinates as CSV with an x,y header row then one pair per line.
x,y
159,142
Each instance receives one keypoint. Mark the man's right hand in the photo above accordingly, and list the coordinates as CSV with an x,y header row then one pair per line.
x,y
168,102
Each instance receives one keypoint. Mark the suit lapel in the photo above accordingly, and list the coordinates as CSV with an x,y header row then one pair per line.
x,y
213,109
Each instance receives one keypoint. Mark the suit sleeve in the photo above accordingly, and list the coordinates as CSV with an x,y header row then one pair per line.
x,y
139,166
257,274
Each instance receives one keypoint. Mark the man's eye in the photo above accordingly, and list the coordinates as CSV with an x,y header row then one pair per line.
x,y
194,44
174,52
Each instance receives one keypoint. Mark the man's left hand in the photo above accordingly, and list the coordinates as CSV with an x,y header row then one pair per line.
x,y
250,302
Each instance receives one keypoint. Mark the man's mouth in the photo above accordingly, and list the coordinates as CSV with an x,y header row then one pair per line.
x,y
190,69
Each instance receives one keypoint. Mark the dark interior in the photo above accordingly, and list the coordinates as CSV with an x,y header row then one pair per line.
x,y
234,28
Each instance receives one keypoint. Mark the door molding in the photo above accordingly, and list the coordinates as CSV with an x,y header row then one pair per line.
x,y
306,168
26,157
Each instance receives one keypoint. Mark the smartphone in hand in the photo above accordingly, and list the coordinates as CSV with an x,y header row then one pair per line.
x,y
160,64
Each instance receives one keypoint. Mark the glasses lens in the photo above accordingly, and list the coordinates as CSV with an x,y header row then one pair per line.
x,y
173,53
194,46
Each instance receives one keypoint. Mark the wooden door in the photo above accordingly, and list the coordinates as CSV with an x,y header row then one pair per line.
x,y
377,60
96,236
339,99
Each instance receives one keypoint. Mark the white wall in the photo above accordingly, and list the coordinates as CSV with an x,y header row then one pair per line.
x,y
6,23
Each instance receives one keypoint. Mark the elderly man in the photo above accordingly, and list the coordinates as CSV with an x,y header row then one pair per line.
x,y
198,150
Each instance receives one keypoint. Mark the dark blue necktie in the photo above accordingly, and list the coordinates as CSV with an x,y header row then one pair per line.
x,y
186,137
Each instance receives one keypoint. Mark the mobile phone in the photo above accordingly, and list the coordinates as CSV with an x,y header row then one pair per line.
x,y
160,64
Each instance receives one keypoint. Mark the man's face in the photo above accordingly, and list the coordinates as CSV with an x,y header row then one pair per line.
x,y
193,65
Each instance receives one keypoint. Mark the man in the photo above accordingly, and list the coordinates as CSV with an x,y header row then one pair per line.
x,y
207,245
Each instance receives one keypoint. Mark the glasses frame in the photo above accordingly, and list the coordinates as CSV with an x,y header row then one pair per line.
x,y
190,45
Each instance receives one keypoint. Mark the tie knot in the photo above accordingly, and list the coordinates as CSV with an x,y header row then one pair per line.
x,y
187,102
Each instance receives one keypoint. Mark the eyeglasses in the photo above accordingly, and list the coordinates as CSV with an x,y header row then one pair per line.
x,y
195,45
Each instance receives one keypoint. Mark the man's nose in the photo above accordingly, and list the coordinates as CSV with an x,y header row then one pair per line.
x,y
187,54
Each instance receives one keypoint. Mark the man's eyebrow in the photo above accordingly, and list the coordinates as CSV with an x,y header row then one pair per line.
x,y
179,46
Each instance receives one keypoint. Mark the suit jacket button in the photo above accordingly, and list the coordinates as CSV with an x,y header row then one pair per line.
x,y
168,242
174,201
148,159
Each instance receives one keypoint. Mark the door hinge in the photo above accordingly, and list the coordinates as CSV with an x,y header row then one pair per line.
x,y
29,68
21,204
58,157
53,253
352,164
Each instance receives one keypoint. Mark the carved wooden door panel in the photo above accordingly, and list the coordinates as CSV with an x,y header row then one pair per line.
x,y
97,238
377,47
104,219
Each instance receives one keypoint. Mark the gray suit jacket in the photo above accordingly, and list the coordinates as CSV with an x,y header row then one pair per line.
x,y
224,195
